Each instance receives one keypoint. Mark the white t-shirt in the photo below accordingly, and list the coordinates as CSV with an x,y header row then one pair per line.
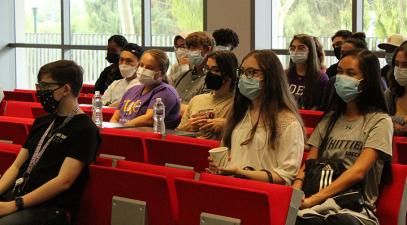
x,y
285,159
116,90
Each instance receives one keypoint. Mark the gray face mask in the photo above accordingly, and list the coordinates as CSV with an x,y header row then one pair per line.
x,y
250,88
195,58
299,57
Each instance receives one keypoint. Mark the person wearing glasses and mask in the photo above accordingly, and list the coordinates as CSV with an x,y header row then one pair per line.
x,y
207,113
192,82
128,63
111,73
136,105
181,53
44,183
306,79
264,131
396,95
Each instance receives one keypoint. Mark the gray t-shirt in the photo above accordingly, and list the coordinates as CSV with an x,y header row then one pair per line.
x,y
189,84
348,139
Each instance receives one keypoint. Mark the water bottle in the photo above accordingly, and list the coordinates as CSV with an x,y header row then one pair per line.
x,y
159,116
97,104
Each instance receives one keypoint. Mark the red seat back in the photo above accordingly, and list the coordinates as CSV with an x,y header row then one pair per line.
x,y
392,202
85,98
123,144
20,95
400,150
195,197
13,130
280,197
88,88
8,153
20,109
104,183
188,154
310,117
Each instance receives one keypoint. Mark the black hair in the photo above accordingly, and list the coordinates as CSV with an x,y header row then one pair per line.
x,y
226,36
227,64
135,49
358,40
118,39
64,72
345,34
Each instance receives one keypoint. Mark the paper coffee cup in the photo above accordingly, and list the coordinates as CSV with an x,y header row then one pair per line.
x,y
219,156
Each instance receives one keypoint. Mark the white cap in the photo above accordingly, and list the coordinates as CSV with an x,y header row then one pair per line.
x,y
394,40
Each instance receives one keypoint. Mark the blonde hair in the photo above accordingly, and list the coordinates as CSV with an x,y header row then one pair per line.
x,y
161,57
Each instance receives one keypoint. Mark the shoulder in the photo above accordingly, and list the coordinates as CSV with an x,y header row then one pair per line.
x,y
163,87
378,117
84,124
287,119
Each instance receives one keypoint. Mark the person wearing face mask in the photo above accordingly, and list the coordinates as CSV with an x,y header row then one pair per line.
x,y
181,53
192,82
393,41
226,39
207,113
128,63
44,183
306,79
111,73
136,105
337,40
396,95
357,132
264,132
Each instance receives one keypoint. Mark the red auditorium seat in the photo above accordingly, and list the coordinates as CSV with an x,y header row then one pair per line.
x,y
280,197
310,117
88,88
20,109
400,150
252,204
85,98
392,202
177,152
20,95
107,112
8,153
14,129
105,182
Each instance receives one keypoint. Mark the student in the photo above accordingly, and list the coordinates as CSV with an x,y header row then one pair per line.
x,y
396,95
306,80
337,40
356,131
393,42
192,82
181,53
207,113
43,185
264,131
225,39
111,73
129,60
136,106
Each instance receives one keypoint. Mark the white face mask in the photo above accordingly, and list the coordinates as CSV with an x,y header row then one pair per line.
x,y
299,57
146,76
127,71
181,53
222,48
400,74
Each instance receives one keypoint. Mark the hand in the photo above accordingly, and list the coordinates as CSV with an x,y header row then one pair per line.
x,y
309,202
214,125
229,170
213,169
7,208
399,129
195,122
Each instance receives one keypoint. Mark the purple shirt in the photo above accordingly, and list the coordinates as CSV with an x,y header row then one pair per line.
x,y
297,88
134,104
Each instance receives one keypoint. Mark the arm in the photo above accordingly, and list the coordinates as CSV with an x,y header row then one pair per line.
x,y
350,177
107,96
299,179
67,175
145,120
10,176
116,117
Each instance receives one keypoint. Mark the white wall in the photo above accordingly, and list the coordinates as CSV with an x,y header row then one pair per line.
x,y
7,55
236,15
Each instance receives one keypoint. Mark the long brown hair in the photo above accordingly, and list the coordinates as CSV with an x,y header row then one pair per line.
x,y
275,97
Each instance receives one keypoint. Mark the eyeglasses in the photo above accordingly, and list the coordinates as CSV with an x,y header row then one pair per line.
x,y
249,72
46,85
214,71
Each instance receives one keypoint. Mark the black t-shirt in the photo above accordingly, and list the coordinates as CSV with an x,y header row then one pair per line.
x,y
78,139
107,76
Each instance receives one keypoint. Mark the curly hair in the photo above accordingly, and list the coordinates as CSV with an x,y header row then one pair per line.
x,y
226,36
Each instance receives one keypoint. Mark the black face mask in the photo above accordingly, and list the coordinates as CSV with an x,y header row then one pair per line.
x,y
213,82
337,52
46,98
112,57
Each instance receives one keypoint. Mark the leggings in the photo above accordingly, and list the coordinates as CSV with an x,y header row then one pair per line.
x,y
40,215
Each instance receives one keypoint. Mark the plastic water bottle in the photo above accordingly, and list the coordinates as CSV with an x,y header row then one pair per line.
x,y
159,116
97,104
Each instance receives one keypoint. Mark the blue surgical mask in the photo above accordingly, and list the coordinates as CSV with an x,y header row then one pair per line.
x,y
250,88
347,87
389,57
195,58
